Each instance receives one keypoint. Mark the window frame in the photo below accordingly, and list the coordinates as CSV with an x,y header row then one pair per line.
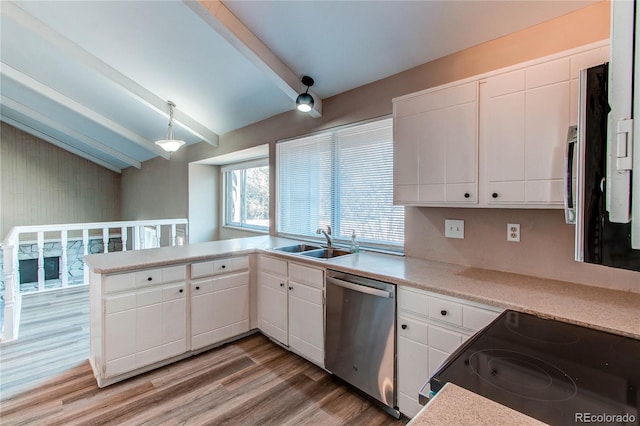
x,y
380,246
226,205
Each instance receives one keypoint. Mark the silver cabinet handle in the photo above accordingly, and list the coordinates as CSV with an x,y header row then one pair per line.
x,y
569,202
359,288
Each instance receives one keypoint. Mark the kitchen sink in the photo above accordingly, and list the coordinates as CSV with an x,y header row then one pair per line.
x,y
325,253
298,248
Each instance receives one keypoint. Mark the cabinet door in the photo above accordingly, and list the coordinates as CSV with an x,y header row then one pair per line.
x,y
119,337
435,147
502,115
160,326
219,309
306,319
524,117
413,363
143,327
431,156
461,154
174,320
273,306
407,137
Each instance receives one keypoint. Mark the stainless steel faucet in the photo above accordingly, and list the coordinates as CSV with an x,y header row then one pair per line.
x,y
327,235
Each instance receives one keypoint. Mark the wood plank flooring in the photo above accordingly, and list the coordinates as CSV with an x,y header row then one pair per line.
x,y
249,382
53,337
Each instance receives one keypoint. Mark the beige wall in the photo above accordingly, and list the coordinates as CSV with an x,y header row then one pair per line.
x,y
547,243
157,191
43,184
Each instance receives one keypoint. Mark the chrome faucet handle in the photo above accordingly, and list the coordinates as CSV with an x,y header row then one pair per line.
x,y
320,230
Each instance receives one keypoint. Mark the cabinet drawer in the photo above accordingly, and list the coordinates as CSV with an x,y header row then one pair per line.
x,y
476,318
219,266
413,301
201,269
120,282
445,310
231,264
276,266
131,280
174,273
444,340
306,275
412,329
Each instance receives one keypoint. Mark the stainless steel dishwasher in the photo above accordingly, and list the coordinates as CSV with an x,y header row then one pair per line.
x,y
360,340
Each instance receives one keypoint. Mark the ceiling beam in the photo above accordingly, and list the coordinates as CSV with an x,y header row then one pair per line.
x,y
225,23
112,75
34,115
7,71
58,143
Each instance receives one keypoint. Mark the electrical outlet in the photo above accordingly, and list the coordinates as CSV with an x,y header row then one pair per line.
x,y
454,228
513,232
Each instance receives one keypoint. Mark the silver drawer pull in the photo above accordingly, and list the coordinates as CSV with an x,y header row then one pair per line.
x,y
359,288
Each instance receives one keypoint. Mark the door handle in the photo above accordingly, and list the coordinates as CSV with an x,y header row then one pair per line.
x,y
569,197
359,288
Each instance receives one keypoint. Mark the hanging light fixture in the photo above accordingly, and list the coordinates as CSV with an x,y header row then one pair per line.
x,y
170,144
304,102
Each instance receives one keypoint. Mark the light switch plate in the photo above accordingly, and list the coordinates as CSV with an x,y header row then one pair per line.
x,y
454,228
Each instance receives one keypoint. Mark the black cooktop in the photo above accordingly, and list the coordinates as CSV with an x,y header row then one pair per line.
x,y
558,373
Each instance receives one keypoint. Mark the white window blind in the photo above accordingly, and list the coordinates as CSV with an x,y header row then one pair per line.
x,y
342,178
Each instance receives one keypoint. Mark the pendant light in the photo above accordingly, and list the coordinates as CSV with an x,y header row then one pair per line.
x,y
170,144
304,102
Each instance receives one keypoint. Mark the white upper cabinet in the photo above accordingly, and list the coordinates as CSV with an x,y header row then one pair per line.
x,y
523,130
495,140
435,146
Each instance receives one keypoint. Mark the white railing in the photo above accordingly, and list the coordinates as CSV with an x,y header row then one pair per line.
x,y
86,238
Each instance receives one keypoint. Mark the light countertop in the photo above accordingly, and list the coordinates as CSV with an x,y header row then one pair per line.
x,y
454,405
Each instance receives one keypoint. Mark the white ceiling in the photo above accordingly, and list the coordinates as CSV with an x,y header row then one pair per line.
x,y
93,77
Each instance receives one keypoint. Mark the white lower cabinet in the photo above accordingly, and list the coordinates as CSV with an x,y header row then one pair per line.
x,y
431,327
219,300
140,319
273,306
291,305
144,326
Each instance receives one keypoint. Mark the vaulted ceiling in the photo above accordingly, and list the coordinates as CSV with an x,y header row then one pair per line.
x,y
94,77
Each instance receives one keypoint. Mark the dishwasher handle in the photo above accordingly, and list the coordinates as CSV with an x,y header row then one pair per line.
x,y
360,288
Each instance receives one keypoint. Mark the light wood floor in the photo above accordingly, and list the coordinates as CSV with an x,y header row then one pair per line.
x,y
249,382
53,337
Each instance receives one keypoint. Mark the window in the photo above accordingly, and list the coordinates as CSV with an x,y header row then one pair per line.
x,y
343,178
247,195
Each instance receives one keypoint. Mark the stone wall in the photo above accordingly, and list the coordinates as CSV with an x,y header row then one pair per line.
x,y
75,263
